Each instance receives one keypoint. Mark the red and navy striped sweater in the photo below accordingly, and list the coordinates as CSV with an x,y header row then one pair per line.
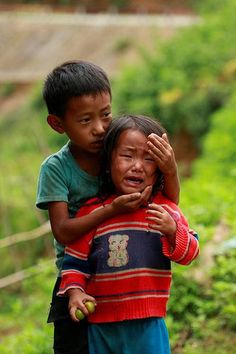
x,y
126,265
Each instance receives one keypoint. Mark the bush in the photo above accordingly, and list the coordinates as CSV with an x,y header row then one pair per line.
x,y
186,79
7,89
24,314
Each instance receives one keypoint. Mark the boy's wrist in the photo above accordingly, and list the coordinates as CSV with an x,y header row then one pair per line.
x,y
110,210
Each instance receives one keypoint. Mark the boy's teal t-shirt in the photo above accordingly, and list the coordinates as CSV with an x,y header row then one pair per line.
x,y
61,179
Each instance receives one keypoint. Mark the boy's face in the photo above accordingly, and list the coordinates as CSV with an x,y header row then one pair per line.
x,y
132,167
86,121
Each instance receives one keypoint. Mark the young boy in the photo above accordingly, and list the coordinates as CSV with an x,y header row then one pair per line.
x,y
78,98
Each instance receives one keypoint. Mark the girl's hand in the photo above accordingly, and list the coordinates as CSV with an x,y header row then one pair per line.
x,y
162,221
162,152
77,299
130,202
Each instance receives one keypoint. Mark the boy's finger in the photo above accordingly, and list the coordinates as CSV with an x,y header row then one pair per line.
x,y
146,193
133,196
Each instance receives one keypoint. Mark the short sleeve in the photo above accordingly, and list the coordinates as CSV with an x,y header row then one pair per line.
x,y
52,185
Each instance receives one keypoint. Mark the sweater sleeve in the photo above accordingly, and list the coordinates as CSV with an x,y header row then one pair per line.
x,y
186,242
75,267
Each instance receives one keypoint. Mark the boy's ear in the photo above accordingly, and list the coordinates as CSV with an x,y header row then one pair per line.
x,y
55,123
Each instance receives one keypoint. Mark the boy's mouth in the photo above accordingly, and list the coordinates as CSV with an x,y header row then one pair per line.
x,y
97,143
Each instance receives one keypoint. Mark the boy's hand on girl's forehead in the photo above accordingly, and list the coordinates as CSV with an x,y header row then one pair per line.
x,y
162,152
130,202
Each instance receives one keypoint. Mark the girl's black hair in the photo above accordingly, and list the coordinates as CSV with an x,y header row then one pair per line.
x,y
145,125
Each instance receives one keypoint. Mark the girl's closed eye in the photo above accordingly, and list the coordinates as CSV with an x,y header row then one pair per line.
x,y
127,156
149,158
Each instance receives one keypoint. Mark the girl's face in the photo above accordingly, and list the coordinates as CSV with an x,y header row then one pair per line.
x,y
132,167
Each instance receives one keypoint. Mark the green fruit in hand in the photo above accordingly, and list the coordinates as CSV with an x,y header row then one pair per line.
x,y
90,306
79,314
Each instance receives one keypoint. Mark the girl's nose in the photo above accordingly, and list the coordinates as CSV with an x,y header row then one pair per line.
x,y
137,165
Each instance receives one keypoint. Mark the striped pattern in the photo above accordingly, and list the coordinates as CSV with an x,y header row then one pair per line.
x,y
126,265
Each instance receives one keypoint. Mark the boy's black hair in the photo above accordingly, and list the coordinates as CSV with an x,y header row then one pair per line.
x,y
145,125
71,79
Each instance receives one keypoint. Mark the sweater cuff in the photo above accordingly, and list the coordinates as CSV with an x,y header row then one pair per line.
x,y
63,291
71,281
181,243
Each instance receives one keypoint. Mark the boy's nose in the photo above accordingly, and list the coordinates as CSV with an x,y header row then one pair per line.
x,y
99,128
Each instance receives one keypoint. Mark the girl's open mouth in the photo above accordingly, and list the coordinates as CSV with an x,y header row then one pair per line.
x,y
135,180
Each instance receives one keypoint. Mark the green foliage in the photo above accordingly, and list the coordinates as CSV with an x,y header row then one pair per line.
x,y
196,312
184,304
213,329
223,289
31,340
122,45
7,89
210,194
210,6
209,199
119,3
26,140
23,315
186,79
189,82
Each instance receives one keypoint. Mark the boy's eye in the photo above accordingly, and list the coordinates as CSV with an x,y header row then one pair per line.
x,y
107,115
84,120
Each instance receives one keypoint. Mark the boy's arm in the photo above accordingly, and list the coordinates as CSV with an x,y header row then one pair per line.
x,y
172,186
162,152
66,229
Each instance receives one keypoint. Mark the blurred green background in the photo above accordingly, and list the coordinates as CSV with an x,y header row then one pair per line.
x,y
187,81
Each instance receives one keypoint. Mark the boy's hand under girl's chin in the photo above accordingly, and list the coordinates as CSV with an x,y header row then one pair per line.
x,y
132,201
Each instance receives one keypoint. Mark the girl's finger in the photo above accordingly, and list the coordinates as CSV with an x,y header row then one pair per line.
x,y
154,214
157,147
154,219
165,137
154,226
156,207
159,141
